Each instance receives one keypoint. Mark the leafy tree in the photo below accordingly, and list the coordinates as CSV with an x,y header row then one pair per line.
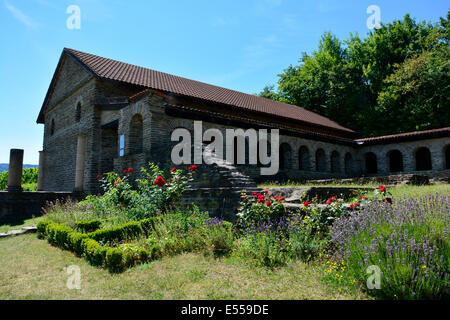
x,y
395,80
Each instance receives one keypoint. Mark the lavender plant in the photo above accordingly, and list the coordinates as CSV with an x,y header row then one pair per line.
x,y
408,240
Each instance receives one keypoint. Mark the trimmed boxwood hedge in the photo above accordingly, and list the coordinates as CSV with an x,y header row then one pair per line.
x,y
88,246
89,225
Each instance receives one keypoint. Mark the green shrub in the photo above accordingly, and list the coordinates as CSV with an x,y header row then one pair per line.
x,y
93,251
134,254
114,259
75,241
267,249
41,227
127,231
88,226
220,235
260,207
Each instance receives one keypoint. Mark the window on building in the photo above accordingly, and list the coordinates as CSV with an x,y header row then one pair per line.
x,y
122,145
78,112
52,127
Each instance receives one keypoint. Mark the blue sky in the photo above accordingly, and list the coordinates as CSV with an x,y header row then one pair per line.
x,y
241,45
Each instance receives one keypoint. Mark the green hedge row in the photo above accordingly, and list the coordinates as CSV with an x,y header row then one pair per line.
x,y
88,246
89,225
127,231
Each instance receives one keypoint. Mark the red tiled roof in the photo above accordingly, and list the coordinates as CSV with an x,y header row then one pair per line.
x,y
441,132
143,77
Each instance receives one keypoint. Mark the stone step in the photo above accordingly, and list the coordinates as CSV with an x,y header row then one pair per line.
x,y
17,232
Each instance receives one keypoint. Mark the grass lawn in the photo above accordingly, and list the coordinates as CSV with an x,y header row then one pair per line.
x,y
33,269
397,191
18,225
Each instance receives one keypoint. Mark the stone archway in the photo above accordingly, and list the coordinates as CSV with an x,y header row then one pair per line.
x,y
423,159
285,156
348,163
303,159
371,163
447,157
335,164
321,161
395,161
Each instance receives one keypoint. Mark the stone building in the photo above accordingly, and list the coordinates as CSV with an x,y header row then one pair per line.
x,y
102,115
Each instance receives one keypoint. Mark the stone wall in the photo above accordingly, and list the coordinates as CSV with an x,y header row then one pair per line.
x,y
16,206
304,156
408,150
74,87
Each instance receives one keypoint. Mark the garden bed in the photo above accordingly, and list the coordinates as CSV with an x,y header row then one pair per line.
x,y
405,240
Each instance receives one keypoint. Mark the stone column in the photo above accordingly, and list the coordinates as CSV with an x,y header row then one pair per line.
x,y
40,183
80,163
15,170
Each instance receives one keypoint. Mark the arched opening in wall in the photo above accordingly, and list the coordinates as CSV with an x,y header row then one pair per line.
x,y
136,140
268,153
78,112
395,161
235,151
447,156
348,163
285,155
371,162
52,127
303,158
321,161
335,165
423,159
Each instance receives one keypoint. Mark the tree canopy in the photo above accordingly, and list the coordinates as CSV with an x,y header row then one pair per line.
x,y
394,80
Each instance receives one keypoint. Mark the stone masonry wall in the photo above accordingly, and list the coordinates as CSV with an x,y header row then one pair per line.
x,y
75,85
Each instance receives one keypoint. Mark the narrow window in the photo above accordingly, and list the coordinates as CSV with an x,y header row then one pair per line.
x,y
122,145
52,127
78,113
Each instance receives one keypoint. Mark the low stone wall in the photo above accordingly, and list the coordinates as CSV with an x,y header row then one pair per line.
x,y
301,194
16,206
219,202
419,178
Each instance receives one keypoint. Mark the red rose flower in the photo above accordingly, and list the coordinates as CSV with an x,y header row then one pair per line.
x,y
193,168
130,170
115,185
99,176
159,181
254,193
173,169
306,203
330,201
382,188
268,203
265,191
